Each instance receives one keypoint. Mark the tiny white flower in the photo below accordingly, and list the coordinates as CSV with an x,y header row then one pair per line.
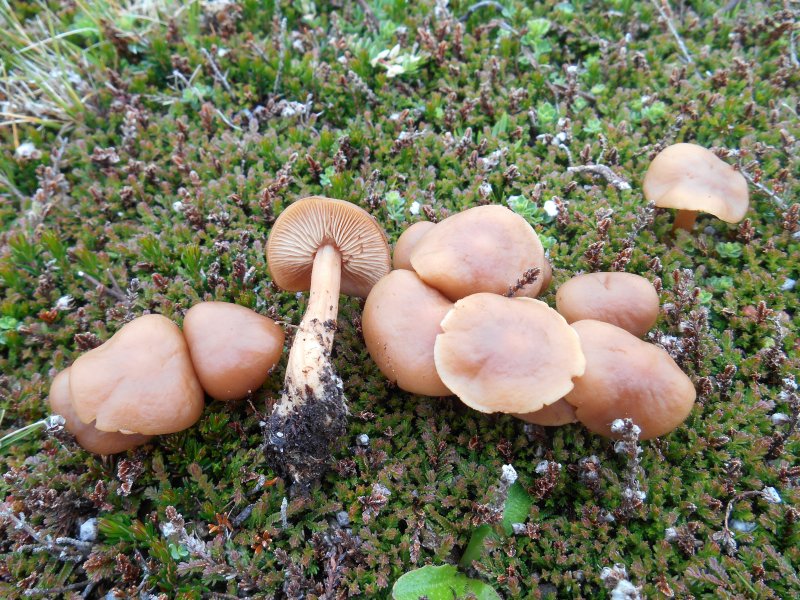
x,y
414,208
394,70
788,285
177,206
670,534
551,208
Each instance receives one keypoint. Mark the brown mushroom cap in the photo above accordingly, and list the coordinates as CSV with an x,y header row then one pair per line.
x,y
400,322
511,355
306,225
482,249
407,242
232,347
623,299
628,378
87,435
139,381
690,177
560,412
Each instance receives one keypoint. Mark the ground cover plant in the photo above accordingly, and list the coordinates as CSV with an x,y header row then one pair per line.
x,y
148,146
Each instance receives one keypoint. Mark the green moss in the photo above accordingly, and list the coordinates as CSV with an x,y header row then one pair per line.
x,y
205,166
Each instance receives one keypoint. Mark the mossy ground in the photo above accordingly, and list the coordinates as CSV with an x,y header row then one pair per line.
x,y
220,114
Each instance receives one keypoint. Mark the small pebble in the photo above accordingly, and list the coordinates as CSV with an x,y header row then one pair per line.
x,y
788,285
362,439
342,518
88,530
742,526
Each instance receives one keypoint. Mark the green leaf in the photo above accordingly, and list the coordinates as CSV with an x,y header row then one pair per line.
x,y
440,583
501,126
515,510
8,323
518,504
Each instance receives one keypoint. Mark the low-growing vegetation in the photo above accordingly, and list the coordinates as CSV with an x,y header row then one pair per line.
x,y
149,145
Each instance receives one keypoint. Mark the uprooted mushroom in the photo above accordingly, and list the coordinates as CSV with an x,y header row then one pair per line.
x,y
325,246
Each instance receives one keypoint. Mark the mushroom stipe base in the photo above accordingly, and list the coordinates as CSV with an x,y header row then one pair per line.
x,y
300,441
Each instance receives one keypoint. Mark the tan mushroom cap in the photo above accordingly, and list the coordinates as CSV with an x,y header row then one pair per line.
x,y
139,381
628,378
400,323
232,347
560,412
511,355
690,177
310,223
623,299
87,435
407,242
546,276
482,249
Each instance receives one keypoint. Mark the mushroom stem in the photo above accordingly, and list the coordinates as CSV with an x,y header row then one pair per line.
x,y
314,338
311,413
685,220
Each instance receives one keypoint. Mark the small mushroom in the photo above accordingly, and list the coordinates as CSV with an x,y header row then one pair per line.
x,y
139,381
482,249
322,245
87,435
407,242
511,355
623,299
692,179
400,323
628,378
232,347
560,412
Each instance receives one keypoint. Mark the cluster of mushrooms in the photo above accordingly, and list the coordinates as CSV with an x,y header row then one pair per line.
x,y
150,377
449,319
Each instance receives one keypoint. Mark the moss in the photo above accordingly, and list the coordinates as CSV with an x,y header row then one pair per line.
x,y
207,157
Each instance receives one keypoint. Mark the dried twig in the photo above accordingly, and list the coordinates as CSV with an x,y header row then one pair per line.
x,y
55,591
372,21
761,187
665,11
217,73
603,171
479,5
281,56
111,291
527,278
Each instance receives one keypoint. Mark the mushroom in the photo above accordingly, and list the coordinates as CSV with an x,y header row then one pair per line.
x,y
511,355
692,179
628,378
482,249
407,242
232,347
623,299
546,276
560,412
87,435
322,245
139,381
400,323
